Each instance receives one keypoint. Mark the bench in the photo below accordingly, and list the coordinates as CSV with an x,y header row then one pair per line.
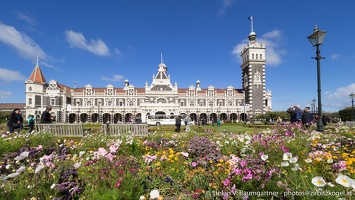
x,y
140,130
61,129
350,123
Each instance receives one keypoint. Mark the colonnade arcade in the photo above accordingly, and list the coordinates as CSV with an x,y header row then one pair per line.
x,y
115,118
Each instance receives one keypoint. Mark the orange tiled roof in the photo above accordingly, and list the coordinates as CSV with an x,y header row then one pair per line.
x,y
12,105
37,76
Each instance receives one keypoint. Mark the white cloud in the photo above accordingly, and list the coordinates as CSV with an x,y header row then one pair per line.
x,y
5,94
225,4
273,43
334,56
78,40
115,78
118,52
10,75
25,46
26,18
340,98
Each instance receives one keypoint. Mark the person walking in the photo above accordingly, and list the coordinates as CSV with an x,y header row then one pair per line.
x,y
307,118
14,121
46,117
218,123
177,123
30,122
187,121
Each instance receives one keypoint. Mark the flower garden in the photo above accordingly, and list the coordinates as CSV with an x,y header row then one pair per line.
x,y
281,162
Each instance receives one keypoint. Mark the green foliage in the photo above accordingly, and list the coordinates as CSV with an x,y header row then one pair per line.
x,y
346,114
4,116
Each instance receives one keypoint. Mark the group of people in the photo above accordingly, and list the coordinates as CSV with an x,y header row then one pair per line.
x,y
178,121
303,116
16,120
187,121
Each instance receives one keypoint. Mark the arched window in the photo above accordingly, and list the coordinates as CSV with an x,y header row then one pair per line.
x,y
252,56
256,56
261,56
30,89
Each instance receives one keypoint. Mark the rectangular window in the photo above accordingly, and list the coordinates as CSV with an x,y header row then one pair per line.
x,y
29,101
52,102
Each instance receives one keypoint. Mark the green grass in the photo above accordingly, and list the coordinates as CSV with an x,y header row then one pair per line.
x,y
228,127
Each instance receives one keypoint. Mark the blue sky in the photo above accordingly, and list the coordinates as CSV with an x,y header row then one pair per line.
x,y
105,42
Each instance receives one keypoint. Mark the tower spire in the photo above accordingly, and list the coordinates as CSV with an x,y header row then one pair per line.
x,y
251,23
37,60
161,58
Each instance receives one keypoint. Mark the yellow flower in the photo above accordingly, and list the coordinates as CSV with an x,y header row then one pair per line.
x,y
221,160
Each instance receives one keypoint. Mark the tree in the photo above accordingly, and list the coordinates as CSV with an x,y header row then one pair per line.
x,y
346,114
4,116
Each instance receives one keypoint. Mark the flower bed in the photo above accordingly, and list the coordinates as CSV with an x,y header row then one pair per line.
x,y
285,162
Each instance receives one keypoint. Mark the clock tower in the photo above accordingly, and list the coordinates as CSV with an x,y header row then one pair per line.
x,y
253,76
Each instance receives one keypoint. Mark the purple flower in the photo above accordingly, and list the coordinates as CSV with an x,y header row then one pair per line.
x,y
193,164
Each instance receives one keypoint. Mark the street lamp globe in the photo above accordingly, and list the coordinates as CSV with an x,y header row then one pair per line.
x,y
317,36
316,39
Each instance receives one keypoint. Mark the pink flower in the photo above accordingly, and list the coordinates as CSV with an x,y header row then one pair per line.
x,y
118,184
193,164
284,149
237,171
101,152
243,163
226,182
185,154
113,149
39,147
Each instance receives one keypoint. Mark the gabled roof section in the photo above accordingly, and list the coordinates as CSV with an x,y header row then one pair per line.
x,y
37,75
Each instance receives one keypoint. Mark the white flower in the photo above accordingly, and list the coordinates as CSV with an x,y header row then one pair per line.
x,y
344,180
285,164
77,165
141,197
264,157
22,156
308,160
318,181
293,159
81,153
296,167
330,184
330,161
154,194
21,169
39,168
287,156
53,186
8,166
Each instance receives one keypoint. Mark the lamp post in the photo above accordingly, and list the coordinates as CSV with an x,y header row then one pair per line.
x,y
314,106
316,38
352,96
